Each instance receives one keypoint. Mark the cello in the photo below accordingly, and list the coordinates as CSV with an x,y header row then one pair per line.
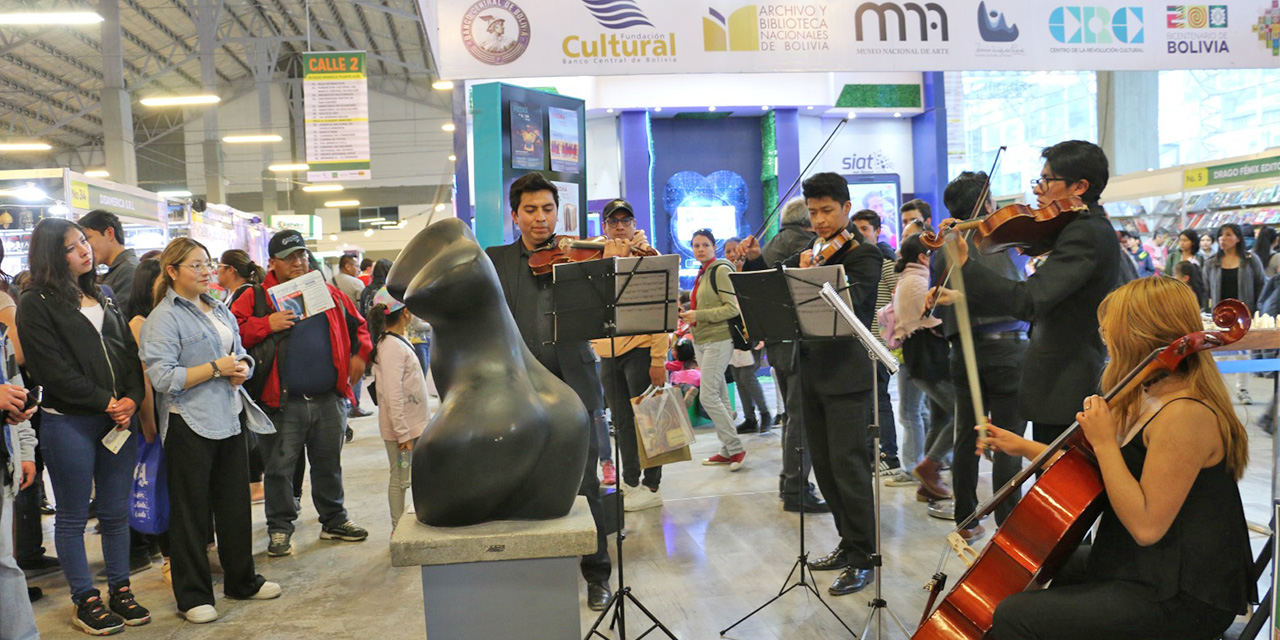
x,y
1052,518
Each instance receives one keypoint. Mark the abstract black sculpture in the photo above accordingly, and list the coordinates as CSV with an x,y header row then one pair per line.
x,y
510,439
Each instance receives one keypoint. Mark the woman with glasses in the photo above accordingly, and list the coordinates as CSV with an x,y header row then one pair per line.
x,y
195,360
82,352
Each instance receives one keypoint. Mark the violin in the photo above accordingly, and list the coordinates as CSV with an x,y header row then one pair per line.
x,y
567,249
834,245
1049,522
1017,225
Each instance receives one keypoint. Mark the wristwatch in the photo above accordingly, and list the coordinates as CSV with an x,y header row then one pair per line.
x,y
217,373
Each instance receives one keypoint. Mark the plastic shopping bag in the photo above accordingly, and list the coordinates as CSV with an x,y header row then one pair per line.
x,y
662,426
149,500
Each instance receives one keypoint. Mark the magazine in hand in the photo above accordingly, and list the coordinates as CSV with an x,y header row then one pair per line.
x,y
305,295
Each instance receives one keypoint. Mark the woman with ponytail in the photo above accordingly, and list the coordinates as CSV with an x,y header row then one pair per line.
x,y
237,272
401,392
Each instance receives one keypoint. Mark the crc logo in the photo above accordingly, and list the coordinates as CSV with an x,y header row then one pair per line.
x,y
883,10
617,14
1197,16
992,26
1096,25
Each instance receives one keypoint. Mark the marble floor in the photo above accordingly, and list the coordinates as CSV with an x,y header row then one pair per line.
x,y
720,546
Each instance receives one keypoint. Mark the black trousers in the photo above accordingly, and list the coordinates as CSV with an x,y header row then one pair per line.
x,y
624,378
596,566
1073,608
793,482
836,428
999,371
888,425
208,478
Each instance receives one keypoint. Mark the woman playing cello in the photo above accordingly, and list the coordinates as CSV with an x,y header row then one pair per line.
x,y
1171,557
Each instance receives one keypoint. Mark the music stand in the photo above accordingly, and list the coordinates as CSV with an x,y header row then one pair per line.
x,y
772,303
611,298
876,352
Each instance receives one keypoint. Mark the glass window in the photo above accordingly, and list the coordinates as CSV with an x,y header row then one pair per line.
x,y
1210,114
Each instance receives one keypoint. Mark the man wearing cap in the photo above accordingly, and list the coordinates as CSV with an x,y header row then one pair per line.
x,y
316,362
638,362
534,208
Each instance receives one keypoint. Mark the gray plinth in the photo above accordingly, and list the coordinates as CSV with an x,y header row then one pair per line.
x,y
502,579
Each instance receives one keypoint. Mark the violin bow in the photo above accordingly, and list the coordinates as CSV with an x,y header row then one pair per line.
x,y
977,206
782,199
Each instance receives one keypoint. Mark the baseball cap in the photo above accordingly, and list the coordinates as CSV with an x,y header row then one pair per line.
x,y
617,205
285,242
383,297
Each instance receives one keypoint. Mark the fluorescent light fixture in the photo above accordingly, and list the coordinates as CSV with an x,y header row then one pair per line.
x,y
453,158
24,146
174,194
386,223
55,18
29,193
368,232
179,101
369,220
440,207
442,85
98,173
266,137
448,126
285,168
320,188
333,237
342,203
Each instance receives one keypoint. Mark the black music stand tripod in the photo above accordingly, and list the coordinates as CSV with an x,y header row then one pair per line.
x,y
585,307
769,311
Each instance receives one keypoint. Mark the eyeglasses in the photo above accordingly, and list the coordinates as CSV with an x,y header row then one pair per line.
x,y
1043,183
623,222
296,256
202,266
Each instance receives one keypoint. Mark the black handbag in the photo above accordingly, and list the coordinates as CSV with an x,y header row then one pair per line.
x,y
927,355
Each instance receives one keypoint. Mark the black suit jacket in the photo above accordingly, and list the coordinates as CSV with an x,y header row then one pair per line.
x,y
1065,358
573,362
837,367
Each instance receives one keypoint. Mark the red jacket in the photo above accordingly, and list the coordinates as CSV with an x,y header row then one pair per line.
x,y
256,329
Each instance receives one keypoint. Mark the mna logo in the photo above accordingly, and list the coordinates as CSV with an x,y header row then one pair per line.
x,y
884,9
1268,27
1197,16
1096,25
740,32
992,26
617,14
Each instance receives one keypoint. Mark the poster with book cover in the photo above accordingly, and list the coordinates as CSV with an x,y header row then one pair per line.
x,y
564,139
567,221
526,137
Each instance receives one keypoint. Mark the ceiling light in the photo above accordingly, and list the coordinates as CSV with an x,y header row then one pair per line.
x,y
764,107
851,116
267,137
448,126
370,220
29,193
711,108
174,194
368,232
24,146
97,173
333,237
51,18
440,207
810,107
320,188
897,114
342,203
179,101
284,168
608,110
453,158
658,109
442,85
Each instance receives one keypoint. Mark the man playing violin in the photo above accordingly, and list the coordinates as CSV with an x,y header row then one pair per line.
x,y
639,361
836,383
534,204
1065,355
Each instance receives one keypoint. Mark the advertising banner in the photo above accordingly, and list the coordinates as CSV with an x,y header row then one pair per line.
x,y
129,206
514,38
1233,172
336,107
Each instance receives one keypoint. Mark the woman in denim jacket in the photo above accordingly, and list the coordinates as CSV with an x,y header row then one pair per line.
x,y
191,347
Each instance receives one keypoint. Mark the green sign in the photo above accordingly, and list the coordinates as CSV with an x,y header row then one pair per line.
x,y
1233,172
125,205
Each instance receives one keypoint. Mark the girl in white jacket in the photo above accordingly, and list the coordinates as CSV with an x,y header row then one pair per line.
x,y
401,393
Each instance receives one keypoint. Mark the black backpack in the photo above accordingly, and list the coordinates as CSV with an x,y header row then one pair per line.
x,y
266,352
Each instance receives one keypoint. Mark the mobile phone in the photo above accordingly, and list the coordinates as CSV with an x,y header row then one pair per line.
x,y
34,396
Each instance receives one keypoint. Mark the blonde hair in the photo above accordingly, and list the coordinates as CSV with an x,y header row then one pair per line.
x,y
1150,313
177,250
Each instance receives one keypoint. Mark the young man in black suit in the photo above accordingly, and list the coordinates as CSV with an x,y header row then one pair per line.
x,y
836,384
534,205
1065,357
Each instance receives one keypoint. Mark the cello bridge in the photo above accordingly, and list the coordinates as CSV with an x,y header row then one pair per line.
x,y
967,554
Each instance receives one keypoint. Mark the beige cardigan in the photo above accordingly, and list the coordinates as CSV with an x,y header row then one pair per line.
x,y
715,309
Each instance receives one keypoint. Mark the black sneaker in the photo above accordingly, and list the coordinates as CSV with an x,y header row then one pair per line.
x,y
347,531
123,605
279,545
93,617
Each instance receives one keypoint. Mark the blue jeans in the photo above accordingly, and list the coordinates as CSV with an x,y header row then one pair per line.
x,y
78,463
16,618
912,415
319,423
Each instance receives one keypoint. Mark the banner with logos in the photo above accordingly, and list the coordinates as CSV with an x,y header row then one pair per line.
x,y
520,38
336,109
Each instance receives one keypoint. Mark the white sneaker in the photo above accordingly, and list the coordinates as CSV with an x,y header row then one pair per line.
x,y
901,478
640,498
201,614
269,591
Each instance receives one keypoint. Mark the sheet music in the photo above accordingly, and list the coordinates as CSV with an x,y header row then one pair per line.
x,y
655,282
817,318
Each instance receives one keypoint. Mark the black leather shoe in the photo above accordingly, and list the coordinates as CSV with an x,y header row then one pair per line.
x,y
598,595
812,504
852,580
748,426
837,559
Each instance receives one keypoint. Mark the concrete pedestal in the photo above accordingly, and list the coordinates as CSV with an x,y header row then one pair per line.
x,y
507,579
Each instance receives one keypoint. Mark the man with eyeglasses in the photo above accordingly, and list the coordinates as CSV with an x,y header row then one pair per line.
x,y
312,365
1065,356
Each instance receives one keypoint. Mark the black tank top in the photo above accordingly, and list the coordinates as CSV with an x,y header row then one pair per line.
x,y
1205,555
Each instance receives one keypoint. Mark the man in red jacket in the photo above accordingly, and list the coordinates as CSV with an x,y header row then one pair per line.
x,y
316,362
